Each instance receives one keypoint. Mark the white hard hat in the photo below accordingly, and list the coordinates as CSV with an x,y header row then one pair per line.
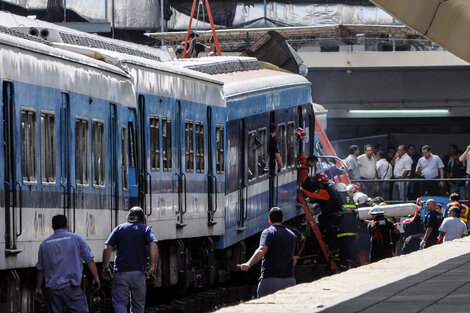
x,y
376,210
350,188
340,187
362,198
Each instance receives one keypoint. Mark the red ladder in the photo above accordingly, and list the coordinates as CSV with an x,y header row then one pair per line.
x,y
313,224
216,41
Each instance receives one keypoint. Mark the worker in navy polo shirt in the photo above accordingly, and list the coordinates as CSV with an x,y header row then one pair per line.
x,y
279,251
131,240
60,262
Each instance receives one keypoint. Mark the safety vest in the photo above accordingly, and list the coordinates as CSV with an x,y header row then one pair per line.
x,y
463,210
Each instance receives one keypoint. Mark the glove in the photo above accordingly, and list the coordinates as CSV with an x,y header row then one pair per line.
x,y
422,244
407,240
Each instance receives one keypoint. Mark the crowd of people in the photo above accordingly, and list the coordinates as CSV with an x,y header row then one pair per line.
x,y
405,162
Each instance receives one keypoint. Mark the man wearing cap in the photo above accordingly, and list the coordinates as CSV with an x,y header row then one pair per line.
x,y
432,221
279,251
383,235
131,240
60,262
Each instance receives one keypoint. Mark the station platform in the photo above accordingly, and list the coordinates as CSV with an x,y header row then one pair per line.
x,y
436,279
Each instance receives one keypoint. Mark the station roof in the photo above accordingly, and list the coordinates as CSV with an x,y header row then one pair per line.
x,y
446,22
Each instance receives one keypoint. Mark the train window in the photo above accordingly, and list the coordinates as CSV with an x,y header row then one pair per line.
x,y
166,143
81,151
131,144
290,144
262,152
124,168
28,146
281,139
48,149
189,145
252,155
154,143
200,147
219,148
97,153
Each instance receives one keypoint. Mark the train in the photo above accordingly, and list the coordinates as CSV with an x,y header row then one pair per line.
x,y
90,132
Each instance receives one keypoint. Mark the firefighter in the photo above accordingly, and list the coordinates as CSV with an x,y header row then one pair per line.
x,y
383,235
331,211
347,234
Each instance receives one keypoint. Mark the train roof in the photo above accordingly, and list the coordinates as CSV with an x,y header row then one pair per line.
x,y
242,74
43,51
176,81
58,33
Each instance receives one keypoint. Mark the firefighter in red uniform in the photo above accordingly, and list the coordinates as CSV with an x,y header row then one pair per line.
x,y
331,211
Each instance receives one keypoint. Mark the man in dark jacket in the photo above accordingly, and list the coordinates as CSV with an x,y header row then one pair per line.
x,y
383,235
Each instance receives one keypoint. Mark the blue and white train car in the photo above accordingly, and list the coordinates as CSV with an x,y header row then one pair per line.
x,y
60,153
180,161
255,98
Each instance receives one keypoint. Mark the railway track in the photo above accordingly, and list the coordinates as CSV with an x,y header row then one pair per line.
x,y
213,299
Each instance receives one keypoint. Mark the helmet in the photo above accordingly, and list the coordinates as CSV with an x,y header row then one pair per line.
x,y
356,187
362,198
350,188
376,211
382,204
322,178
340,187
300,133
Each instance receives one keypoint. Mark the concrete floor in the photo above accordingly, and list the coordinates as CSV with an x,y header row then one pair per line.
x,y
436,279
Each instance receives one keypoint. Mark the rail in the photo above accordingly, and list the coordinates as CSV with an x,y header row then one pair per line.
x,y
419,182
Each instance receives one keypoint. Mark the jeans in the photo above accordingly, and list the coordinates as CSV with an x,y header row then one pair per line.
x,y
125,284
270,285
69,297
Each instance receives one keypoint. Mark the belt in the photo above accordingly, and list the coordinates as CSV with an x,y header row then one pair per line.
x,y
346,234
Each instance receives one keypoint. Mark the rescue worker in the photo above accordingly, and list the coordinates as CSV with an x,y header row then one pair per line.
x,y
432,222
413,230
383,235
331,211
455,201
347,233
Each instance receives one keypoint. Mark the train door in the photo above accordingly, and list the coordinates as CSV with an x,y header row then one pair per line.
x,y
142,173
242,177
181,128
13,223
113,183
65,183
235,214
286,123
212,192
129,161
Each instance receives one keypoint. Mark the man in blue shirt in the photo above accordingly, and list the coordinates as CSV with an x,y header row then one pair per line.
x,y
60,262
279,251
131,240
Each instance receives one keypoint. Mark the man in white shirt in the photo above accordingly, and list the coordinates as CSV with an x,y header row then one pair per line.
x,y
452,227
430,166
351,163
367,168
384,171
402,163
